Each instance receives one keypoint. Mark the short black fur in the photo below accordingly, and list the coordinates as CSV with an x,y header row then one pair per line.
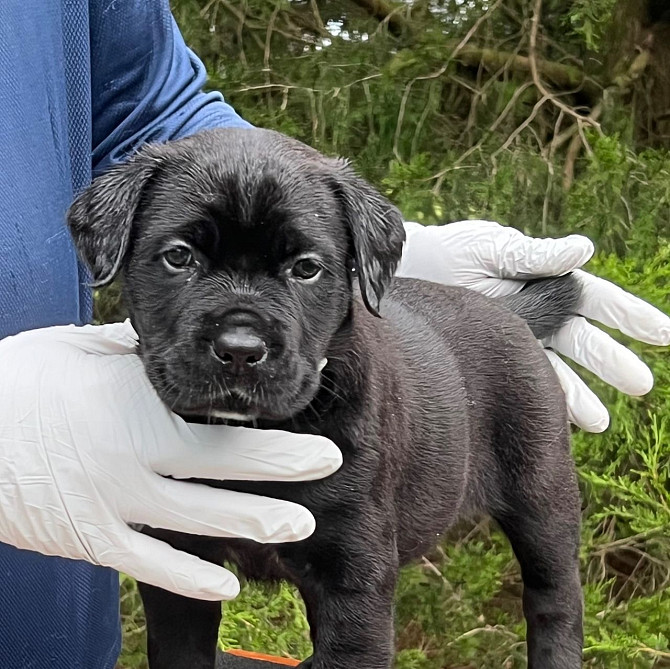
x,y
443,408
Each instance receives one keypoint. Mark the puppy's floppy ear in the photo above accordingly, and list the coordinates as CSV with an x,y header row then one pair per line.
x,y
377,233
101,218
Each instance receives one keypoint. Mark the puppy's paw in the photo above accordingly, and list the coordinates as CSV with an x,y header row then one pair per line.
x,y
305,664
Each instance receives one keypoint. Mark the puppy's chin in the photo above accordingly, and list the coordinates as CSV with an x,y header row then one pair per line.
x,y
258,404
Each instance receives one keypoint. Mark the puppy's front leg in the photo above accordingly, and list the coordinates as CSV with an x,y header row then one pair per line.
x,y
351,614
181,632
354,631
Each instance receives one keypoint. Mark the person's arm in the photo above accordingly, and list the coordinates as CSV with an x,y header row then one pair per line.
x,y
146,85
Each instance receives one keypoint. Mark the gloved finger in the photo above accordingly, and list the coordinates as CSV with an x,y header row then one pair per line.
x,y
517,256
110,339
594,349
156,563
196,508
492,287
614,307
444,253
584,408
241,453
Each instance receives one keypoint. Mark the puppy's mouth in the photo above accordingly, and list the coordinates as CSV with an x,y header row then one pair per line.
x,y
242,406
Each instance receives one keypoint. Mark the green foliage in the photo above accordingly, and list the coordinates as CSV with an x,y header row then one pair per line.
x,y
108,306
622,198
133,654
590,20
267,617
626,534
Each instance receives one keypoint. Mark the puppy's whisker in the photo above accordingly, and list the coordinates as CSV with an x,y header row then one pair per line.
x,y
312,408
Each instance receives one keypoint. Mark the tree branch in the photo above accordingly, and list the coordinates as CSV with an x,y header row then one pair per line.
x,y
565,77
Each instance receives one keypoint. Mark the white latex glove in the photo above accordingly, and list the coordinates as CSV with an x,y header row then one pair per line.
x,y
84,440
496,260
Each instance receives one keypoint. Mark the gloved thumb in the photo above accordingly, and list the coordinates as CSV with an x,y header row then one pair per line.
x,y
156,563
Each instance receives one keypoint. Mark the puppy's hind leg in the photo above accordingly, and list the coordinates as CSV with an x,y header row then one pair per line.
x,y
541,519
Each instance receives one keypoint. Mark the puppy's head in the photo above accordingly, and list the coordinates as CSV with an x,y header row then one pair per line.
x,y
237,250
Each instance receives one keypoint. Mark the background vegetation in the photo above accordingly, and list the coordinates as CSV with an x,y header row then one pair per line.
x,y
549,115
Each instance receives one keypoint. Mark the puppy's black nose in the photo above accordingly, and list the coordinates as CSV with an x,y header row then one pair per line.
x,y
240,349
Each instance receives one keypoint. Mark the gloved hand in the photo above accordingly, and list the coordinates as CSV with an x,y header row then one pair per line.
x,y
84,440
497,260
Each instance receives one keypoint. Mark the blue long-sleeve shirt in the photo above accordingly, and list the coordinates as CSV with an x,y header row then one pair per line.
x,y
83,83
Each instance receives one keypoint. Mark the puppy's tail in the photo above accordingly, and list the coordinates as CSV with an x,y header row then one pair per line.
x,y
546,304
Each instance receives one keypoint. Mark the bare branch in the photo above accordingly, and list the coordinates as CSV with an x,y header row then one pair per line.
x,y
475,28
535,73
565,77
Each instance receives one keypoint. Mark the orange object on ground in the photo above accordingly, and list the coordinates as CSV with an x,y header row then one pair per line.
x,y
287,662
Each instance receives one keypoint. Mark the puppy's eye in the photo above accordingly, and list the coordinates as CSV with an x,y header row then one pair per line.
x,y
305,269
178,257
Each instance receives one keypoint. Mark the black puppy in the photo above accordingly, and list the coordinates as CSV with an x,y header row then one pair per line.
x,y
238,250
